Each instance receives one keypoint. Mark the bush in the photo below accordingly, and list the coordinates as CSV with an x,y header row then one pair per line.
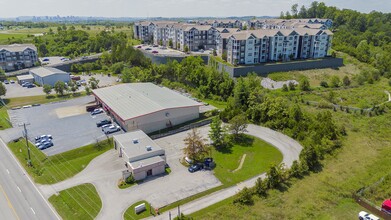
x,y
324,84
285,88
130,180
244,197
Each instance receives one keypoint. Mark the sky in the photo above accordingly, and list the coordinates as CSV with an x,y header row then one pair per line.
x,y
171,8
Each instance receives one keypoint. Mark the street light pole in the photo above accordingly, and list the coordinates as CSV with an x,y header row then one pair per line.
x,y
27,145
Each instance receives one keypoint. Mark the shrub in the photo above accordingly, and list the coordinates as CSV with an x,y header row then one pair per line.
x,y
130,179
324,84
244,197
285,88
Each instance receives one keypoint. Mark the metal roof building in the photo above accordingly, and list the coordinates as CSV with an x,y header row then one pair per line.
x,y
48,75
146,106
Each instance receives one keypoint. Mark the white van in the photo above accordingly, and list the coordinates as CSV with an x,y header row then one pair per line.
x,y
366,216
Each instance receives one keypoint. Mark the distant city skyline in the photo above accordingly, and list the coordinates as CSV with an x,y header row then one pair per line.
x,y
171,8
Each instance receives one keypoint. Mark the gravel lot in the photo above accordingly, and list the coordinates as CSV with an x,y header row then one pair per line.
x,y
271,84
68,122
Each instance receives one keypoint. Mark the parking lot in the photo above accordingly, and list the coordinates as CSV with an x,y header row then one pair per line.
x,y
68,122
15,90
165,51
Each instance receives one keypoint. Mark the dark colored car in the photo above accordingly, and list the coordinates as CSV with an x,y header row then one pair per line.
x,y
103,122
30,86
195,167
155,51
139,46
148,48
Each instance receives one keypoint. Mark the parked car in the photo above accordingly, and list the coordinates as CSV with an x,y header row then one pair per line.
x,y
45,136
24,84
195,167
30,86
105,126
103,122
45,59
112,129
6,82
45,145
139,47
366,216
97,111
155,51
148,48
12,82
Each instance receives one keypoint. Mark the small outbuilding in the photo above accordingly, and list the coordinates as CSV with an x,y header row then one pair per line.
x,y
142,156
48,75
25,78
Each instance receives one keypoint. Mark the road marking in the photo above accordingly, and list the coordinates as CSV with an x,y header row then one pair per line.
x,y
32,210
7,171
19,189
9,202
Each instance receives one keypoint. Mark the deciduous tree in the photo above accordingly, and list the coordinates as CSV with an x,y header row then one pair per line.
x,y
195,147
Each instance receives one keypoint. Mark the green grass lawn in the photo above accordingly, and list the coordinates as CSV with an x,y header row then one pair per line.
x,y
79,202
218,104
259,157
379,191
4,123
53,169
364,158
131,215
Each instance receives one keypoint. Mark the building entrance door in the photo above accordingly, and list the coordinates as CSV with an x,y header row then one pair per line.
x,y
149,173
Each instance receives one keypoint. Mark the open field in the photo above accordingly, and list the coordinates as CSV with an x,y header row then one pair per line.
x,y
131,215
53,169
259,157
79,202
378,191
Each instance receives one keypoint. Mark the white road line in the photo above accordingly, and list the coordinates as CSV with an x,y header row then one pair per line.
x,y
32,210
7,171
19,189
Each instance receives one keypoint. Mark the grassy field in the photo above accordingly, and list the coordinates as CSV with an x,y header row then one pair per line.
x,y
131,215
79,202
378,191
259,157
218,104
53,169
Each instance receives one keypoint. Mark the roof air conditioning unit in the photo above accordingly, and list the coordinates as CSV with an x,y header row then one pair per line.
x,y
149,148
135,141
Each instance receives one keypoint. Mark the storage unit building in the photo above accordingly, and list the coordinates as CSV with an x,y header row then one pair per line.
x,y
25,78
48,75
142,156
146,106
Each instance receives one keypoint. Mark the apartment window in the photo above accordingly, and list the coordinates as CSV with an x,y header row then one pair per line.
x,y
250,42
290,38
250,54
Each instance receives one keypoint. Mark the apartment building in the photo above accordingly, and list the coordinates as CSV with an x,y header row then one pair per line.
x,y
264,45
17,56
222,35
224,23
315,23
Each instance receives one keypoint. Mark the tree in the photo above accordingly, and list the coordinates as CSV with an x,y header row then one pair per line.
x,y
302,12
60,88
170,43
195,148
324,84
335,81
294,10
275,176
292,86
88,90
93,83
238,125
305,84
346,81
72,86
295,170
3,90
260,187
224,56
186,49
214,52
216,133
47,89
244,197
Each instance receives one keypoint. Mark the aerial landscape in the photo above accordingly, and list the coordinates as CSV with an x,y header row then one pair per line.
x,y
195,110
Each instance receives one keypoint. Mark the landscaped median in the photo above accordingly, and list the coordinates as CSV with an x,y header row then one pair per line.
x,y
53,169
79,202
130,213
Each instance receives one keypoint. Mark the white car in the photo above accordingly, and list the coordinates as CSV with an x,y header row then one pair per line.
x,y
366,216
112,129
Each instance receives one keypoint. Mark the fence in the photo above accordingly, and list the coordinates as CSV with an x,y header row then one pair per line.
x,y
181,129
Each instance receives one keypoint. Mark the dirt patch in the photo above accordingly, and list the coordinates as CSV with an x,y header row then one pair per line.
x,y
70,111
241,163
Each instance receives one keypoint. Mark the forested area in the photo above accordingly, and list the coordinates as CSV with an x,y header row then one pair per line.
x,y
364,36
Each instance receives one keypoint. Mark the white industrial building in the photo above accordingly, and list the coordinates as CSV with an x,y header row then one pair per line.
x,y
142,156
146,106
49,76
25,78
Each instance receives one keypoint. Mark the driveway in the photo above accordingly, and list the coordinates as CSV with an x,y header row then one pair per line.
x,y
105,171
68,122
289,148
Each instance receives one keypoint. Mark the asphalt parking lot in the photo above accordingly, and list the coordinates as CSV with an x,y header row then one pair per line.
x,y
68,122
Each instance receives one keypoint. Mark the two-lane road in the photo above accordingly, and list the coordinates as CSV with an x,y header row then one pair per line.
x,y
19,198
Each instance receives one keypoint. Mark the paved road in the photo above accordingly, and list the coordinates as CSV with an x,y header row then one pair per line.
x,y
19,198
289,148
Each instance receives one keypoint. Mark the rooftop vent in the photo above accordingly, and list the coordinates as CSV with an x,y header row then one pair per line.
x,y
135,141
149,148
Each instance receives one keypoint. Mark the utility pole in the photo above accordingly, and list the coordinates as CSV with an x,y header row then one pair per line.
x,y
27,145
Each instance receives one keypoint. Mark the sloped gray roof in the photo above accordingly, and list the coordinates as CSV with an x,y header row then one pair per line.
x,y
17,47
133,100
47,71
